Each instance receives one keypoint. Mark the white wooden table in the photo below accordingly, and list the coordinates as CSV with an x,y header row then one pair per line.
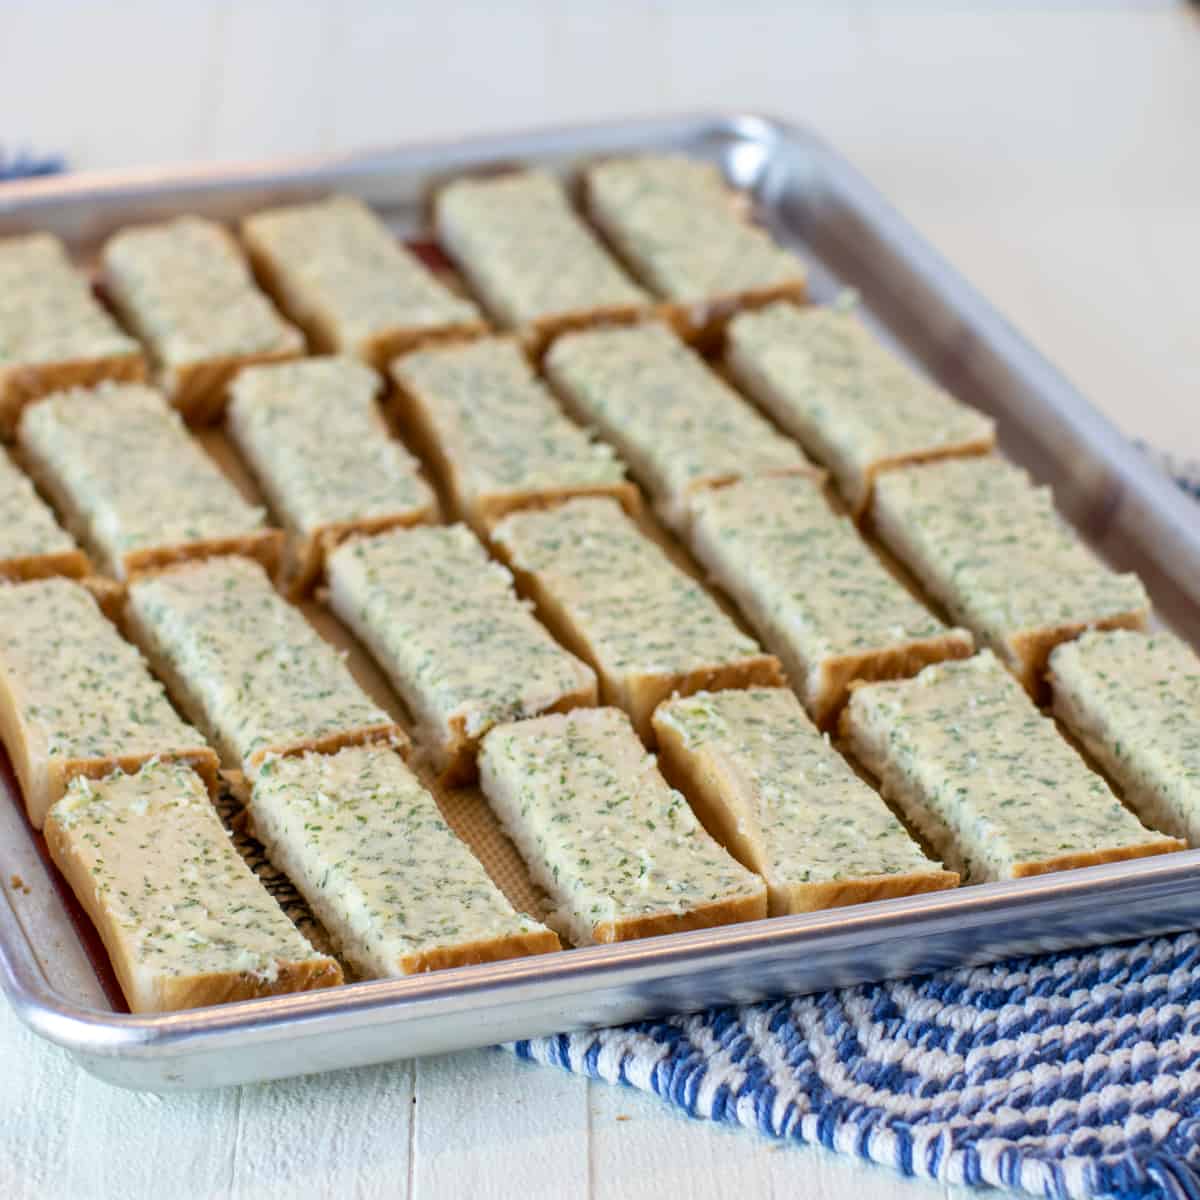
x,y
1050,150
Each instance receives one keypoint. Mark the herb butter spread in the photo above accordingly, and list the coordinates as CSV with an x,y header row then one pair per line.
x,y
313,434
677,223
639,614
255,672
676,422
339,268
443,621
27,526
526,252
499,429
175,900
989,545
121,460
812,588
48,314
598,826
76,689
794,810
853,405
1133,700
188,293
369,850
977,769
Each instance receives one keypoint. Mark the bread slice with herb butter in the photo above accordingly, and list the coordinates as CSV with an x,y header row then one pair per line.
x,y
618,851
186,290
54,333
680,427
185,920
773,791
337,270
32,543
444,623
613,596
530,259
77,699
246,666
496,437
813,590
985,778
686,235
133,485
312,433
1133,701
987,544
366,845
854,406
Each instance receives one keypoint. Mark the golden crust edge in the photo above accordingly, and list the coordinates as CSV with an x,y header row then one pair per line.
x,y
730,911
22,384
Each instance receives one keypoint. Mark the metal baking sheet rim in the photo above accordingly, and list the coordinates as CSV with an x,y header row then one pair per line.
x,y
471,1006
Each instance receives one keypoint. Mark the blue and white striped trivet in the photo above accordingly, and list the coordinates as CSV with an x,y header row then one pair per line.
x,y
1067,1075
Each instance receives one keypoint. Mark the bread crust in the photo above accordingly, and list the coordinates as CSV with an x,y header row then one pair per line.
x,y
73,564
731,911
21,384
639,695
514,945
172,994
1027,653
200,390
460,752
828,688
306,567
190,705
703,322
484,512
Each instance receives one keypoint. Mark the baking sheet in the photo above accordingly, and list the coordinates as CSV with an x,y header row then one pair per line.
x,y
810,199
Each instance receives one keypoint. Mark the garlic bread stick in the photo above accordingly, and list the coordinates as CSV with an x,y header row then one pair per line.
x,y
619,851
444,623
685,234
246,666
133,485
494,434
853,405
987,544
186,290
367,847
1133,701
77,699
785,804
185,920
529,258
54,333
337,270
613,596
314,437
32,543
985,778
677,424
813,590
